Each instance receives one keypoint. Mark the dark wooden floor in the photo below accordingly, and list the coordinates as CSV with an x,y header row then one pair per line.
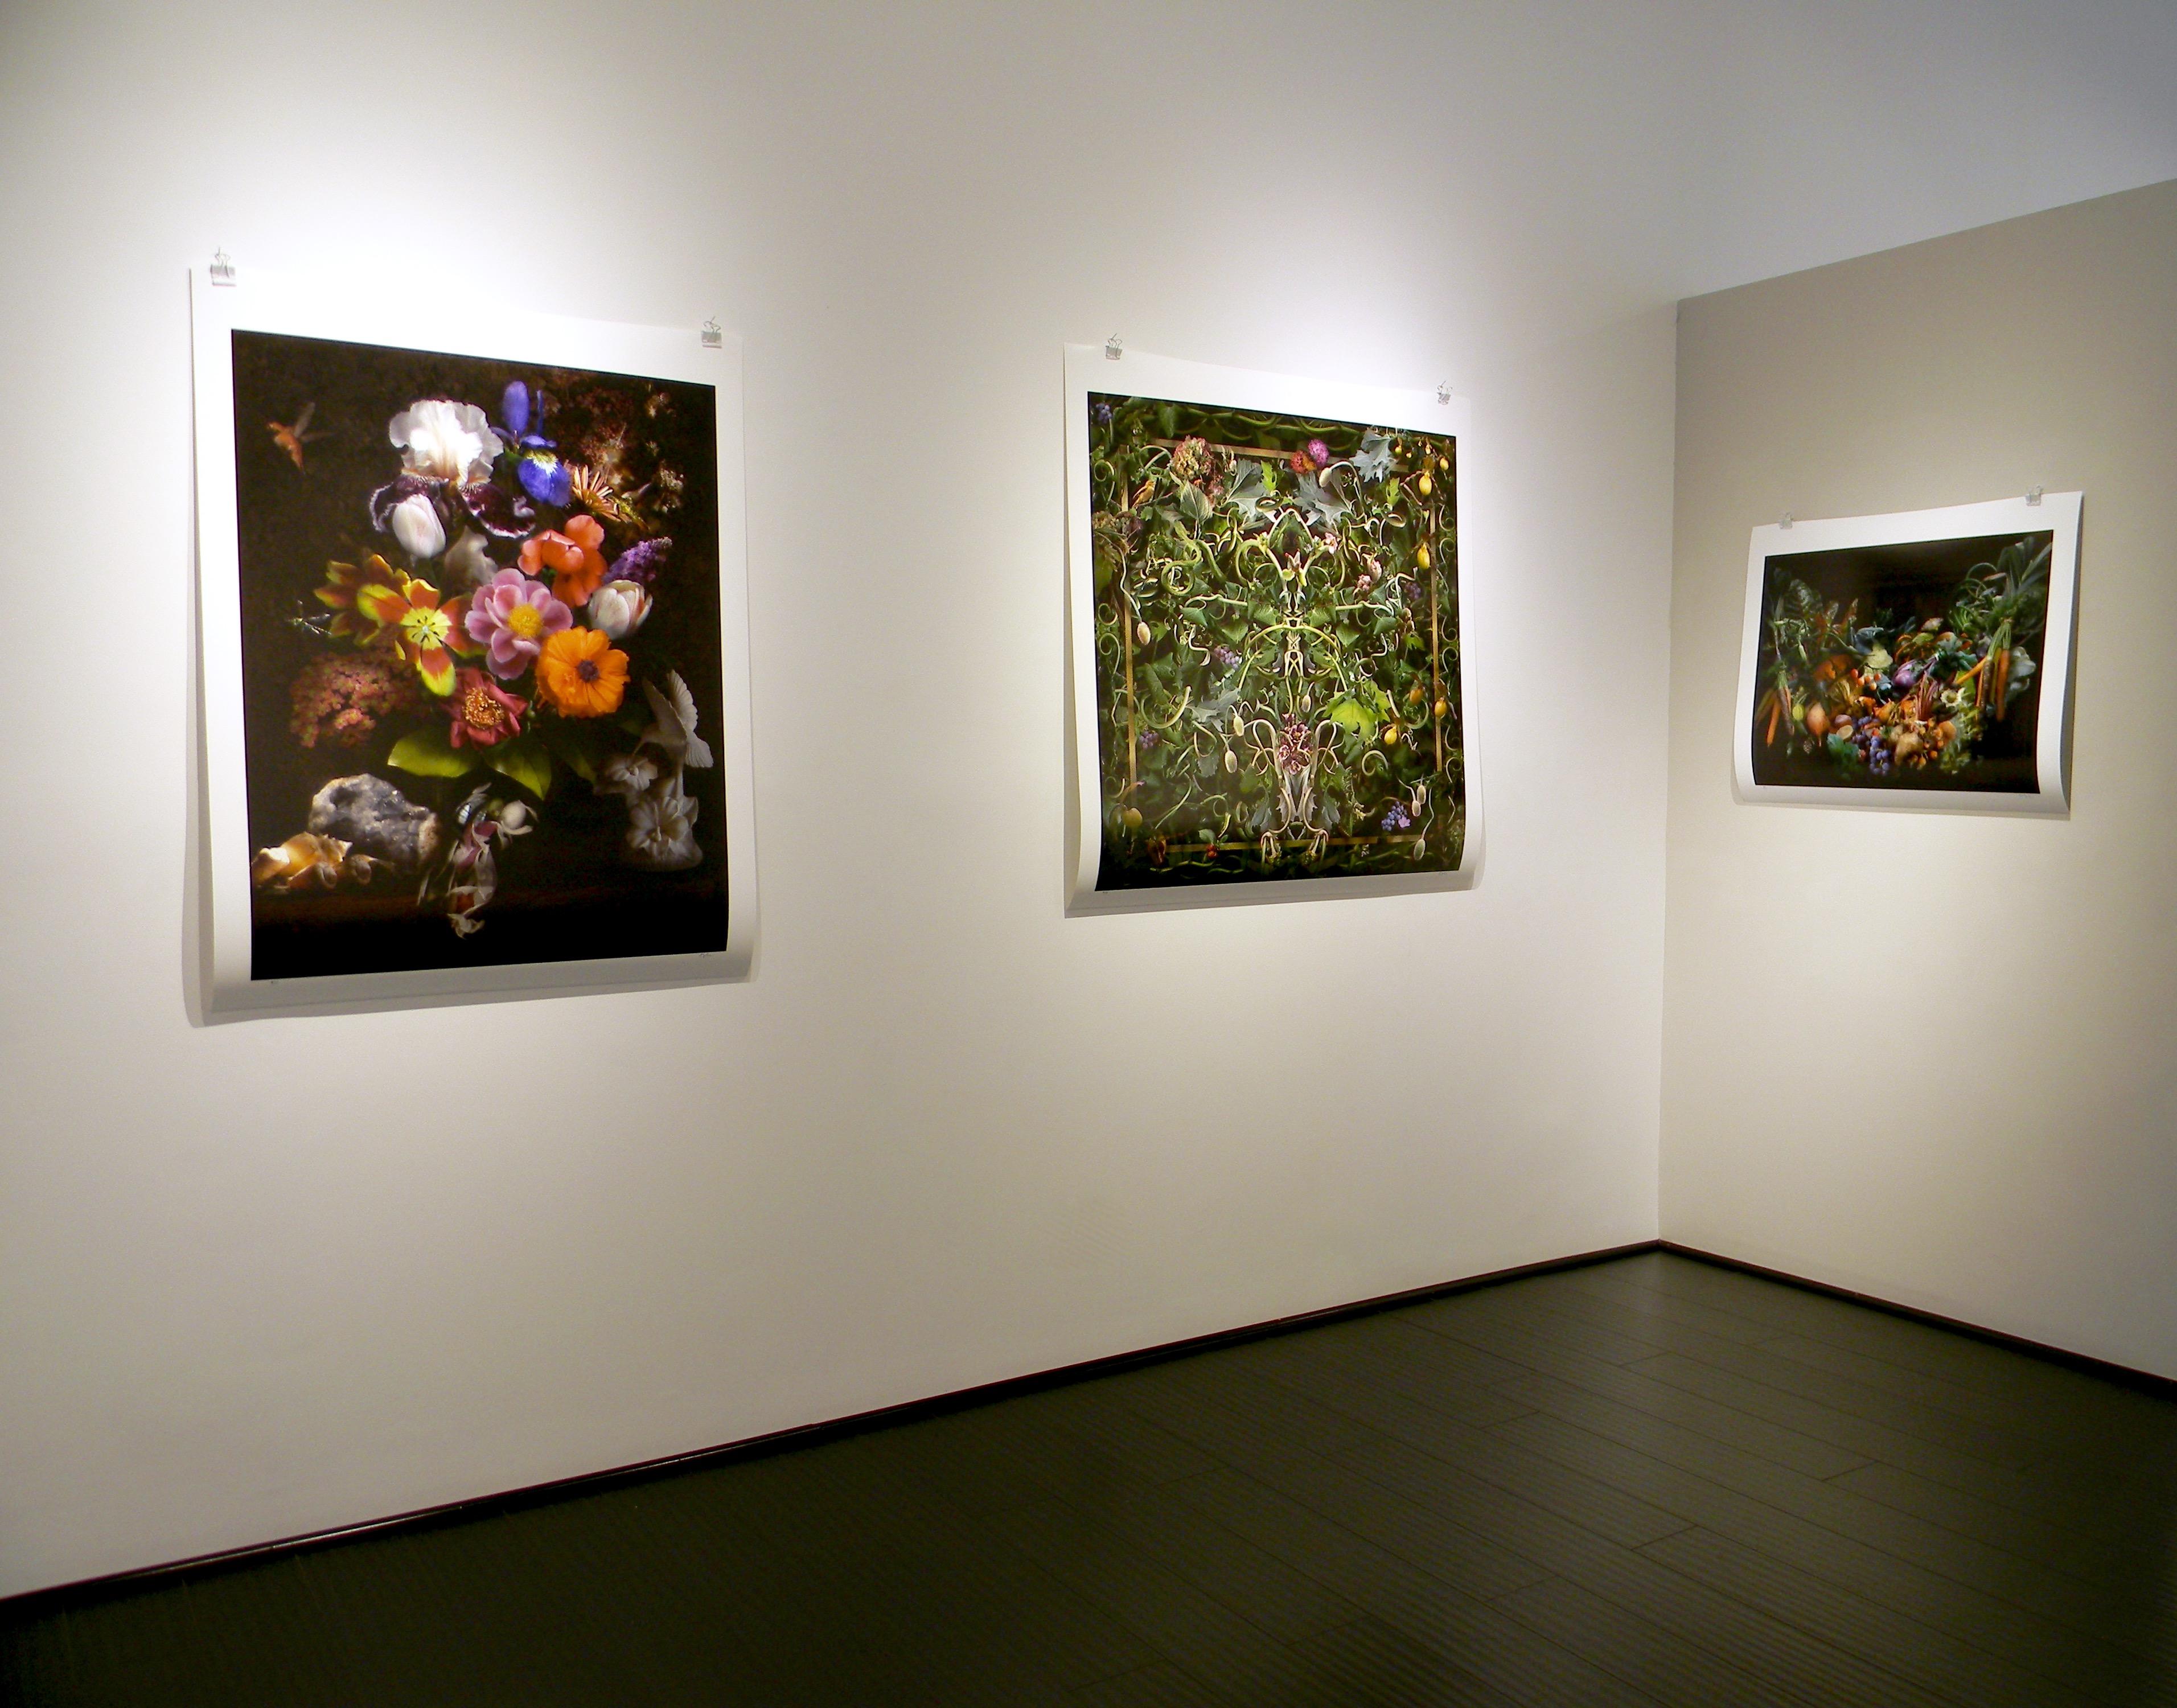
x,y
1650,1481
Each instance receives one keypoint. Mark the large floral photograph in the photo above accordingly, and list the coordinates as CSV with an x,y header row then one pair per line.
x,y
1277,645
481,690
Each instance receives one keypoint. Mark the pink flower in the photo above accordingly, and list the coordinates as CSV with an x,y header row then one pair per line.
x,y
513,617
484,714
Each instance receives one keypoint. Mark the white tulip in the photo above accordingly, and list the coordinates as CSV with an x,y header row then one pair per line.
x,y
415,523
617,608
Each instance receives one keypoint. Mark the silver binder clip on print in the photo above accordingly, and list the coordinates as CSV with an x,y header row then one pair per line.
x,y
1786,523
2033,497
714,334
221,271
1443,392
1115,347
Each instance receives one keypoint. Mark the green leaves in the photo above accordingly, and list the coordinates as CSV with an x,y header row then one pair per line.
x,y
579,745
1246,604
524,760
427,753
1318,497
1349,713
1246,494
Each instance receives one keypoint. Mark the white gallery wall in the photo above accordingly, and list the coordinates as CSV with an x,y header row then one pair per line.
x,y
1928,1056
266,1278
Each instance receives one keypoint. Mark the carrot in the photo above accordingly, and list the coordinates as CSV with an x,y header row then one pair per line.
x,y
1775,705
2003,685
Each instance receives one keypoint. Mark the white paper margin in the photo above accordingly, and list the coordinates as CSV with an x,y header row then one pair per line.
x,y
321,310
2057,512
1137,374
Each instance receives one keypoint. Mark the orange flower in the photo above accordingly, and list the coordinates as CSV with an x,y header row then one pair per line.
x,y
580,673
575,557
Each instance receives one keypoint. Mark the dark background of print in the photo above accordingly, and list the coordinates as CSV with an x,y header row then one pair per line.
x,y
564,894
1913,582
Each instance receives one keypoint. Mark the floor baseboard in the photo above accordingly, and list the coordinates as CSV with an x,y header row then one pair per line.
x,y
2142,1381
811,1434
807,1435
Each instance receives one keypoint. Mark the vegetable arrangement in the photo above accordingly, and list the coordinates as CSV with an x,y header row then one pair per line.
x,y
1277,645
1917,697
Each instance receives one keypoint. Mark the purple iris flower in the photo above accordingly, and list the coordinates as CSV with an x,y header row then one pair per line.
x,y
544,477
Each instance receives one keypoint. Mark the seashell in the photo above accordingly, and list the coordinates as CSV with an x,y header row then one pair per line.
x,y
305,861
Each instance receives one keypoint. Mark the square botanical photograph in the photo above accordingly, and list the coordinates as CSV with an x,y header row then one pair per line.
x,y
481,683
1905,665
1276,645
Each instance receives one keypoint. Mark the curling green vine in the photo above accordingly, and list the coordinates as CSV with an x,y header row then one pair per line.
x,y
1277,645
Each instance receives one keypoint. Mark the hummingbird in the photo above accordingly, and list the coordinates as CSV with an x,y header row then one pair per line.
x,y
292,440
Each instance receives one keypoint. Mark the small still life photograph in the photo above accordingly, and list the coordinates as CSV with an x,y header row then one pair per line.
x,y
1915,660
479,684
1273,639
